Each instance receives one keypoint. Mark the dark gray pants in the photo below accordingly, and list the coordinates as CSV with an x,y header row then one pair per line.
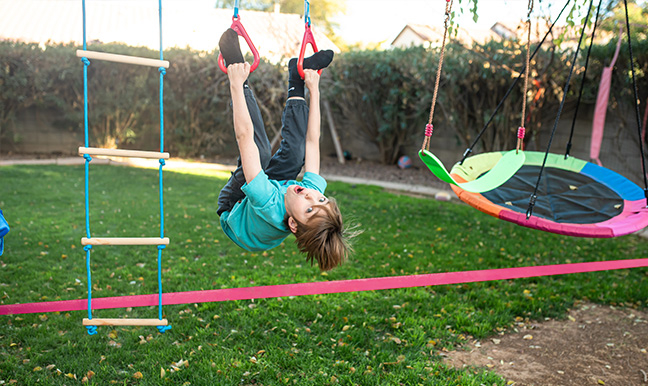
x,y
286,163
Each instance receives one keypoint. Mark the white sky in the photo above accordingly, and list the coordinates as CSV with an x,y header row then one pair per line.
x,y
381,20
376,21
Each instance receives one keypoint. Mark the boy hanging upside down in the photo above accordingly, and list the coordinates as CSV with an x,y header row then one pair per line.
x,y
262,203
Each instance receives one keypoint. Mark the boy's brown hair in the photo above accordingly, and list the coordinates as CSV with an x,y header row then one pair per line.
x,y
323,239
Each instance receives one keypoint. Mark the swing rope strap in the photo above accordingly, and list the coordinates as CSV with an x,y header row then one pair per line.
x,y
428,127
521,129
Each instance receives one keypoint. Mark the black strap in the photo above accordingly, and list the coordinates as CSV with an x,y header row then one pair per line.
x,y
483,130
562,104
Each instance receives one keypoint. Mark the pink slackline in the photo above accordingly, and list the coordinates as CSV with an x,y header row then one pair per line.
x,y
325,287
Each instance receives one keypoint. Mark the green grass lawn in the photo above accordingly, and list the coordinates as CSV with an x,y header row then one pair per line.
x,y
389,337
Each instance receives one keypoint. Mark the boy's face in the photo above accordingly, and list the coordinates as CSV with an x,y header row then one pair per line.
x,y
300,204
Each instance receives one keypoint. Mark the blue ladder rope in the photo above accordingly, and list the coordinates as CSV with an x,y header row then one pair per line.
x,y
162,71
86,62
307,18
93,329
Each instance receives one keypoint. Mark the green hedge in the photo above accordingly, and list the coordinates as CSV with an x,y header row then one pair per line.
x,y
382,96
385,96
123,99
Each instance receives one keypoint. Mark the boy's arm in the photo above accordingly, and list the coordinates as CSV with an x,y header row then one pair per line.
x,y
250,159
312,157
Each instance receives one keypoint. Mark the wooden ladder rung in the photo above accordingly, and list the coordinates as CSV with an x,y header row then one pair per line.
x,y
123,153
122,58
125,241
125,322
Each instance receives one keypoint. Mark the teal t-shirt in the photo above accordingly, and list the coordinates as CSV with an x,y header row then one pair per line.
x,y
256,223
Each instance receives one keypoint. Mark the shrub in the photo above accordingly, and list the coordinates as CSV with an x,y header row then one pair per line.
x,y
383,97
123,99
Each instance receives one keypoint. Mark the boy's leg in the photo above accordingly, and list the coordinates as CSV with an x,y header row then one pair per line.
x,y
288,161
260,135
232,193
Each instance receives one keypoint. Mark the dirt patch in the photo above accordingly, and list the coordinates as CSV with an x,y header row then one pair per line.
x,y
596,345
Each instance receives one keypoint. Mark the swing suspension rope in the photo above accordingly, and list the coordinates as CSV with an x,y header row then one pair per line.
x,y
92,329
237,26
533,198
429,128
508,163
236,9
534,195
469,150
307,18
521,129
307,39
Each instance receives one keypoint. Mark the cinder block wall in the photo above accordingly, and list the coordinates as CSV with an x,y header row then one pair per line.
x,y
619,151
36,134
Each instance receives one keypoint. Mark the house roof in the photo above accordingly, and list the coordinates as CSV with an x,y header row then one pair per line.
x,y
430,34
194,24
425,32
